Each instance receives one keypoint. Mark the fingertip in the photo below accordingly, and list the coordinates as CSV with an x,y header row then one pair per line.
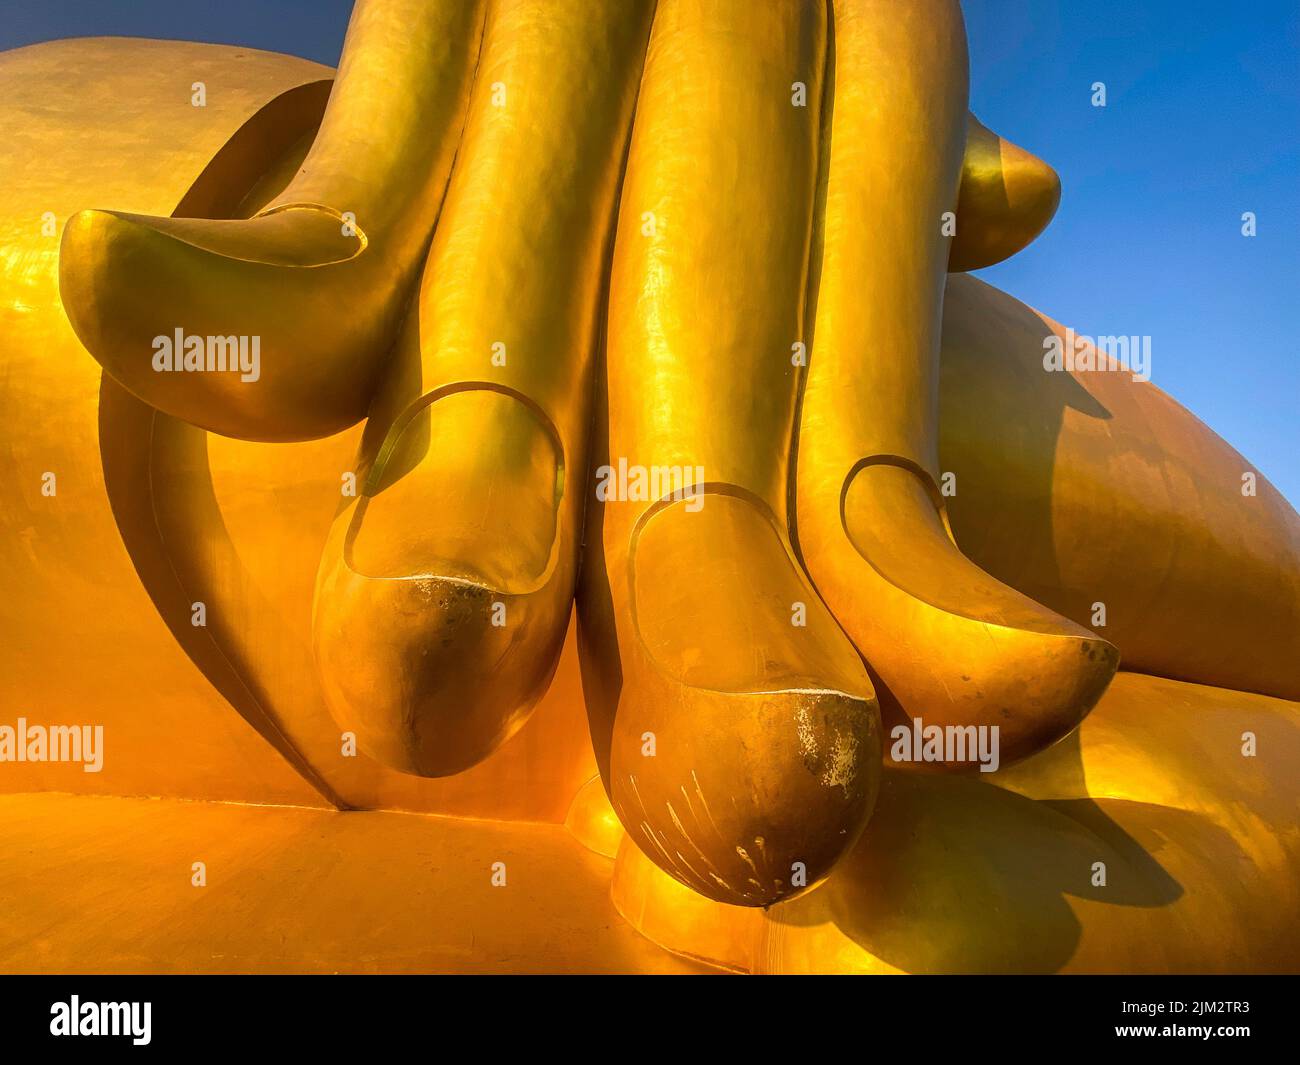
x,y
1006,199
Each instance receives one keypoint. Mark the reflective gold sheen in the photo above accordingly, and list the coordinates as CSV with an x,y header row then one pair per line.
x,y
741,751
1007,196
445,592
658,307
321,273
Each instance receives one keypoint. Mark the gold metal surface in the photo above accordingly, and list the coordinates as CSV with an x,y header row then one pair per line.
x,y
1090,487
435,638
1006,197
996,874
712,236
321,275
945,642
104,887
740,751
171,515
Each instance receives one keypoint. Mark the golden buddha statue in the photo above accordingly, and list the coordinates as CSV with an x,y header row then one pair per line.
x,y
321,374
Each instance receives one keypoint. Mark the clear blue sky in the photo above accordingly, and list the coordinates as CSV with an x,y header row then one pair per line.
x,y
1202,123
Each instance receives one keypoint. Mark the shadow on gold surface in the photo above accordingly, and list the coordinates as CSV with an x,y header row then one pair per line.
x,y
1074,488
999,875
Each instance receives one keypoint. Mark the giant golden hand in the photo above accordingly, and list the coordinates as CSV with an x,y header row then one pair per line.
x,y
717,232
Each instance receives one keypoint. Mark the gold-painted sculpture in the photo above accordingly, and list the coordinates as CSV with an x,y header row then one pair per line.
x,y
705,230
740,751
321,274
437,637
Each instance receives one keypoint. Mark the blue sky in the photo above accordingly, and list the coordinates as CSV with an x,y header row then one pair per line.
x,y
1202,123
